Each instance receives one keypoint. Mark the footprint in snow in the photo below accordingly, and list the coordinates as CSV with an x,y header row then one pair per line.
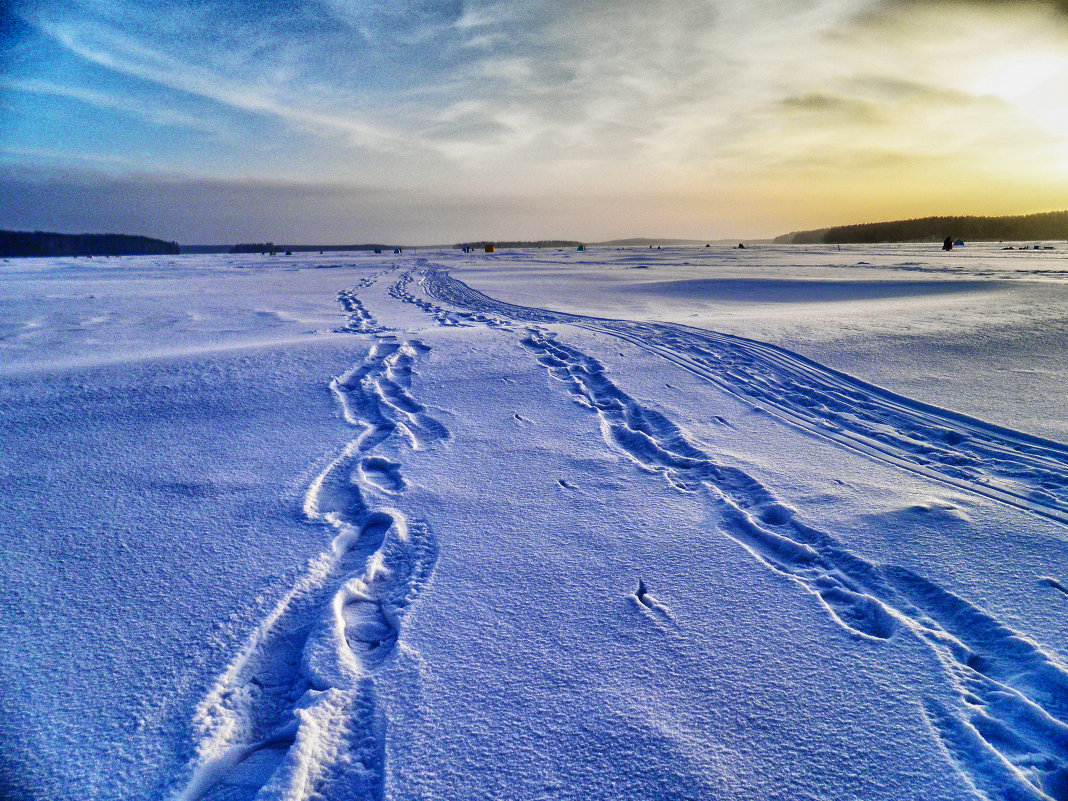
x,y
1048,581
650,606
382,474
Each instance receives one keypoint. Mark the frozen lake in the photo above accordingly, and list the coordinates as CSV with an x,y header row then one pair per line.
x,y
785,522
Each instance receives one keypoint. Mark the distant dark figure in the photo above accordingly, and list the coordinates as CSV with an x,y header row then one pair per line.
x,y
948,243
741,246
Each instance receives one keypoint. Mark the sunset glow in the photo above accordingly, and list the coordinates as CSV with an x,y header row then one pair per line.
x,y
437,121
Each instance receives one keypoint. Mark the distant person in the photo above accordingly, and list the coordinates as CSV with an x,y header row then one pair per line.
x,y
948,243
741,246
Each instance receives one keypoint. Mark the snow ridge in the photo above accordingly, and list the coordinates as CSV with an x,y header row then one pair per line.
x,y
1009,734
295,716
1014,468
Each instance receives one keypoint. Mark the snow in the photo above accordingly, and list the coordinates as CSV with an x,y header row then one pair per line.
x,y
787,522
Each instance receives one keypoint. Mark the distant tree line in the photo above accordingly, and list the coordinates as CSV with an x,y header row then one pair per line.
x,y
1048,225
44,243
270,247
541,243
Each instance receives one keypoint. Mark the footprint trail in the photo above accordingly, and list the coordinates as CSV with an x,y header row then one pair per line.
x,y
1008,730
1011,467
1011,727
296,715
360,321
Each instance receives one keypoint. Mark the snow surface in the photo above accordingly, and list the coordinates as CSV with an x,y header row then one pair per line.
x,y
788,522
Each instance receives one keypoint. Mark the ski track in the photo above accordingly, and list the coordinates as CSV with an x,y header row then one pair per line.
x,y
1015,468
1008,735
295,716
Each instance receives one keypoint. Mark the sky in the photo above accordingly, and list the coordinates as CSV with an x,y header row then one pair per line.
x,y
420,122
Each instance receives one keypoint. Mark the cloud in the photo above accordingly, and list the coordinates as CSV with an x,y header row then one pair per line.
x,y
407,21
117,52
546,83
136,107
1056,6
561,98
52,156
833,109
219,212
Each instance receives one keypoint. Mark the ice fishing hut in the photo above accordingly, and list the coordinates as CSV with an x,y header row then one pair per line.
x,y
490,249
581,248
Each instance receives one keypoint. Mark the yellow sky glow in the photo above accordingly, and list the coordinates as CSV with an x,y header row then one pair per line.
x,y
686,117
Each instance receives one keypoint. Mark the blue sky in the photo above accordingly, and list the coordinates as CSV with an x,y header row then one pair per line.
x,y
422,122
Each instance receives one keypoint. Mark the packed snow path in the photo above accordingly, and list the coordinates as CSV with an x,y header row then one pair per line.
x,y
1015,468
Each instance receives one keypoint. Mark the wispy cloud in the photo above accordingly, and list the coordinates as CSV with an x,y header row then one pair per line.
x,y
633,99
135,107
52,157
115,51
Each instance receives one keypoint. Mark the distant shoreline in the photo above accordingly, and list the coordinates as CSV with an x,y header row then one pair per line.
x,y
1046,226
23,244
497,243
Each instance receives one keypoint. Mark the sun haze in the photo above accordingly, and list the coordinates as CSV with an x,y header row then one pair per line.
x,y
427,122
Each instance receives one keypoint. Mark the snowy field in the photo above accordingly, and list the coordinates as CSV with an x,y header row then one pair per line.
x,y
777,523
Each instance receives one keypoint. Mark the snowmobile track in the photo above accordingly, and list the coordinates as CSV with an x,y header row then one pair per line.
x,y
1017,469
1008,731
